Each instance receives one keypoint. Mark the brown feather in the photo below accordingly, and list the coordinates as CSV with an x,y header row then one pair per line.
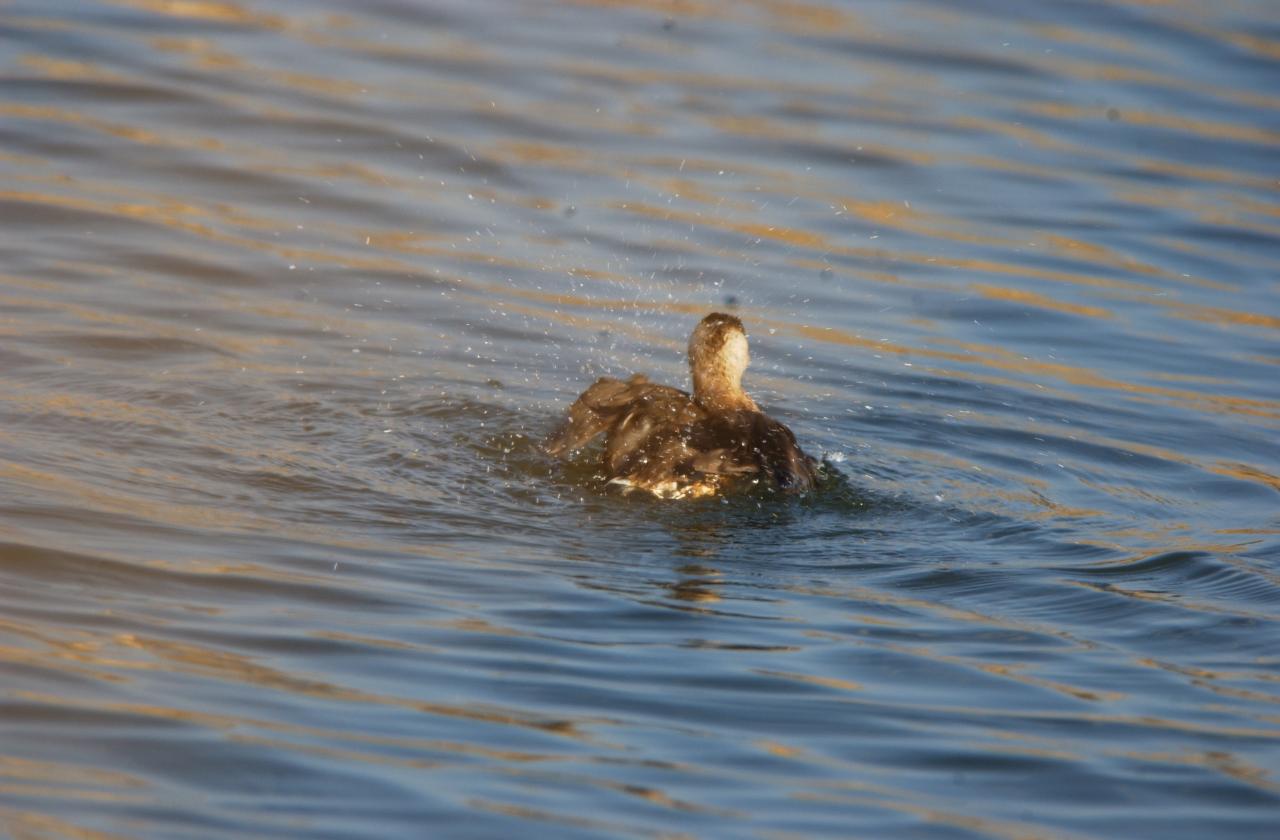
x,y
663,440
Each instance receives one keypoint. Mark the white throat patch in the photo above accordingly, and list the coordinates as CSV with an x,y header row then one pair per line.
x,y
735,356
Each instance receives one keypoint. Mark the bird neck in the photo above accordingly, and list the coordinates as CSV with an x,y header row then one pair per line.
x,y
718,390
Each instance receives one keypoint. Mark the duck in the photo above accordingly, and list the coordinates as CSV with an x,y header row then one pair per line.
x,y
677,445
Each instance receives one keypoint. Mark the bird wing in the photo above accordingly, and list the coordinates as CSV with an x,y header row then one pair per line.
x,y
651,437
603,406
780,456
749,441
658,434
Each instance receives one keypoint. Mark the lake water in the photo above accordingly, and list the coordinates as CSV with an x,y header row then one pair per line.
x,y
291,291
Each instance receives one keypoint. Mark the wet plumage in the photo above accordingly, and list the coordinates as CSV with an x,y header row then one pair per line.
x,y
679,445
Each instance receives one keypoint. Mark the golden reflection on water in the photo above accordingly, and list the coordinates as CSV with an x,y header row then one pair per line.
x,y
545,815
1220,761
187,658
32,771
812,679
1022,296
1004,829
58,68
212,11
1216,130
574,158
32,825
1002,359
117,130
433,749
432,754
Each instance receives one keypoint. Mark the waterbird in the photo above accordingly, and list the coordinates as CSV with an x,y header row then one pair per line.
x,y
675,445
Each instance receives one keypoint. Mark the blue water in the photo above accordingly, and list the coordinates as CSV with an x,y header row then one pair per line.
x,y
290,293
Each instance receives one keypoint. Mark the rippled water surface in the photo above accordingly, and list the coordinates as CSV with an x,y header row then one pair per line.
x,y
290,292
